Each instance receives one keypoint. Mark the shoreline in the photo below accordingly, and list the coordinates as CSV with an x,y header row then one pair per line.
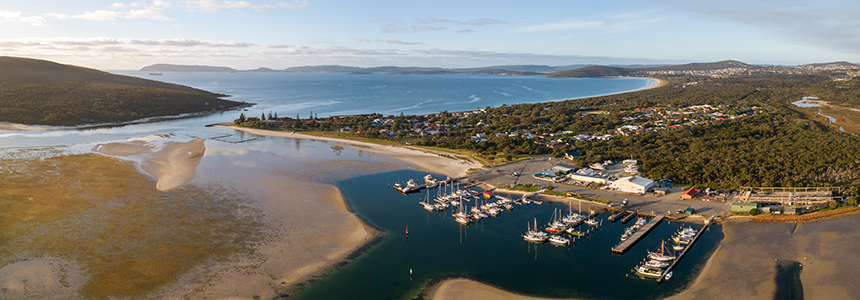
x,y
424,161
8,126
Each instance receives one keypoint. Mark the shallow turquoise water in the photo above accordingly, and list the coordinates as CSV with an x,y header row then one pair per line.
x,y
491,252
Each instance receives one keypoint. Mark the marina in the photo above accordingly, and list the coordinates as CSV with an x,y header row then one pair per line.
x,y
488,249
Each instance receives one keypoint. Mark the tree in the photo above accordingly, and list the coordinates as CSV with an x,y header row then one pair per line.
x,y
753,212
263,116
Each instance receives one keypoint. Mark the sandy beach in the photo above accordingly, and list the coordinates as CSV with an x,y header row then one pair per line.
x,y
425,161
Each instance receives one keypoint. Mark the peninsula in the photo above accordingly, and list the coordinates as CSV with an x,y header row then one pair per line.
x,y
39,92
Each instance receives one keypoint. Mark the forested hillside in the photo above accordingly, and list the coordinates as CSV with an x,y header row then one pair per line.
x,y
47,93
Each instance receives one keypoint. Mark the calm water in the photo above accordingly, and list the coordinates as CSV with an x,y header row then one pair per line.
x,y
491,252
327,94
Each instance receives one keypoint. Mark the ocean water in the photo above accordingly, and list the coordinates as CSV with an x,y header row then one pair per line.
x,y
493,252
327,94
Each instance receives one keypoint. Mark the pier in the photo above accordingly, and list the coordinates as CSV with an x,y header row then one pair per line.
x,y
221,139
615,217
628,218
689,246
623,246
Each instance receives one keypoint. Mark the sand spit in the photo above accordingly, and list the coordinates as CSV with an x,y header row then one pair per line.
x,y
172,165
459,288
425,161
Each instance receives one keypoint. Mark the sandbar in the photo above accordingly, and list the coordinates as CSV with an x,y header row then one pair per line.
x,y
172,165
424,160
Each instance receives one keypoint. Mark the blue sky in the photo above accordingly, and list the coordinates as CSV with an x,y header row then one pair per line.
x,y
284,33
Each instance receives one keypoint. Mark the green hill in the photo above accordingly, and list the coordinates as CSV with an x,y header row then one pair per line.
x,y
47,93
592,71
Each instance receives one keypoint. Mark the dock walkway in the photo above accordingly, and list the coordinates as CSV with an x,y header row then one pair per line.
x,y
680,256
623,246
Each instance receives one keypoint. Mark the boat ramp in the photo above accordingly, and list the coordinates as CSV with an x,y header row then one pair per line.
x,y
625,245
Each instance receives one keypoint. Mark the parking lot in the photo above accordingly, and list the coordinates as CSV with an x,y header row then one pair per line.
x,y
501,176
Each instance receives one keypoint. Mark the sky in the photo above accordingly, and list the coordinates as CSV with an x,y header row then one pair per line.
x,y
278,34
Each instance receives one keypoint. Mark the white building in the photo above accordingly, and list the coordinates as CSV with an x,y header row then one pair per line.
x,y
587,178
633,184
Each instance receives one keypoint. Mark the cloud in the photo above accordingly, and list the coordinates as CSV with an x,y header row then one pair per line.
x,y
146,13
396,42
98,42
559,26
807,22
476,22
99,15
464,31
16,17
160,3
151,12
294,5
212,6
392,28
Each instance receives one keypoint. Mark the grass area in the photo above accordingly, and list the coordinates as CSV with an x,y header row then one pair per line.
x,y
848,119
523,187
131,238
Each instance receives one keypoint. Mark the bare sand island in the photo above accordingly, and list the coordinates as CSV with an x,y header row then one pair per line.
x,y
172,166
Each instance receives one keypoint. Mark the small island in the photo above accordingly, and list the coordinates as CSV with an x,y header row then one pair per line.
x,y
359,73
39,92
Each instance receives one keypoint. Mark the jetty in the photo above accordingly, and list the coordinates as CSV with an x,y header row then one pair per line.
x,y
686,249
221,139
426,185
628,218
633,239
615,217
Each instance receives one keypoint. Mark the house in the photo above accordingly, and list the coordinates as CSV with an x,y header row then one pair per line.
x,y
571,155
690,193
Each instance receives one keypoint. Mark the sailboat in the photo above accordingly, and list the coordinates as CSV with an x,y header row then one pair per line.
x,y
426,202
535,236
662,255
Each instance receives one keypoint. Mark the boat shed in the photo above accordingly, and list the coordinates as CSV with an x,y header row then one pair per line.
x,y
744,206
633,184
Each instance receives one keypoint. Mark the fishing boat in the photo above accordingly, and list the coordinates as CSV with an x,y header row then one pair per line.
x,y
535,236
649,272
681,240
591,222
662,255
559,240
574,232
429,179
656,264
625,202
